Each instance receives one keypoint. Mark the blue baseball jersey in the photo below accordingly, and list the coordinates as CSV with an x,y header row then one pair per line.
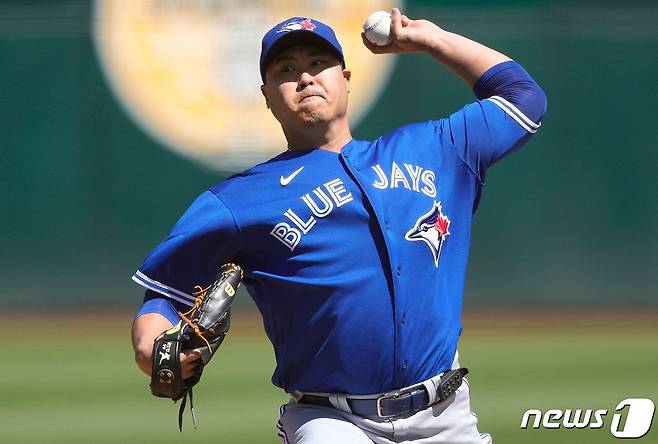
x,y
356,260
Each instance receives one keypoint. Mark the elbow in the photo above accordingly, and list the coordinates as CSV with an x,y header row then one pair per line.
x,y
542,102
144,356
143,336
531,99
147,326
510,81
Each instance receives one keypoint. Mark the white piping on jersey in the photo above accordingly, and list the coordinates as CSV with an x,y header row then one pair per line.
x,y
282,433
515,114
279,425
161,288
504,101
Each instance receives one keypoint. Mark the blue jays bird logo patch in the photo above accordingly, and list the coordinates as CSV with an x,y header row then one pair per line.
x,y
305,24
431,228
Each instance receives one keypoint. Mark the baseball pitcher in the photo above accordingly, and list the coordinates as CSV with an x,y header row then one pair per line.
x,y
354,251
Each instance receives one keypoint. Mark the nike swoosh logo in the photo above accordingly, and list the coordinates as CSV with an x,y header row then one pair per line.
x,y
286,180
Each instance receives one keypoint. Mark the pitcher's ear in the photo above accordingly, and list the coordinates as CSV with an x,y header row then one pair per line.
x,y
263,90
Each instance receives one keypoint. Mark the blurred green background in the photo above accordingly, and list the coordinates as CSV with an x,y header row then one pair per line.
x,y
567,227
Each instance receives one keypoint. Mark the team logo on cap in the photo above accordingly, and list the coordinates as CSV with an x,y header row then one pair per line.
x,y
298,25
431,228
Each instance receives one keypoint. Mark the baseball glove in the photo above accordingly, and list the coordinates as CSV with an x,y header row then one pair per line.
x,y
203,327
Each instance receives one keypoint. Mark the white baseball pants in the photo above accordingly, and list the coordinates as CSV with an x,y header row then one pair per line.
x,y
449,422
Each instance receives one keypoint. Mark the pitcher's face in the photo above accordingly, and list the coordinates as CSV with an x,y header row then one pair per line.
x,y
306,85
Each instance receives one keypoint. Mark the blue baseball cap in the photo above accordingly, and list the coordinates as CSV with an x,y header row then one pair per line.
x,y
297,31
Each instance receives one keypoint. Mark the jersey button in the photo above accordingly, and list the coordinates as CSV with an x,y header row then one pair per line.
x,y
404,364
399,271
404,318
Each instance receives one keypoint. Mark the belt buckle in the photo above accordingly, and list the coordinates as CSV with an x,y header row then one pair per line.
x,y
389,395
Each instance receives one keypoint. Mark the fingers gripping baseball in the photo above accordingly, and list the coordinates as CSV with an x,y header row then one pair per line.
x,y
406,35
397,31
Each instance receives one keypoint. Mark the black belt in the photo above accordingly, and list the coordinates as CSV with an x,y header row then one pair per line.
x,y
398,402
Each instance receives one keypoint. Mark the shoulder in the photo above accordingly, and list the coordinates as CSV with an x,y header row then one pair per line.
x,y
256,185
411,131
252,177
411,136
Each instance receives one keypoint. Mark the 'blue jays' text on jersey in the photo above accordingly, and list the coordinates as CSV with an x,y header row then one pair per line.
x,y
356,259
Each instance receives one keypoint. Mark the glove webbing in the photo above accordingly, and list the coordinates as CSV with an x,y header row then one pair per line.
x,y
193,326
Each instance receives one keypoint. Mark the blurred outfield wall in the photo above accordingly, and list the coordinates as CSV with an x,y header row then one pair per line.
x,y
570,219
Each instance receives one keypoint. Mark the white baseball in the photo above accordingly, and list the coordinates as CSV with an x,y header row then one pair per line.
x,y
378,28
